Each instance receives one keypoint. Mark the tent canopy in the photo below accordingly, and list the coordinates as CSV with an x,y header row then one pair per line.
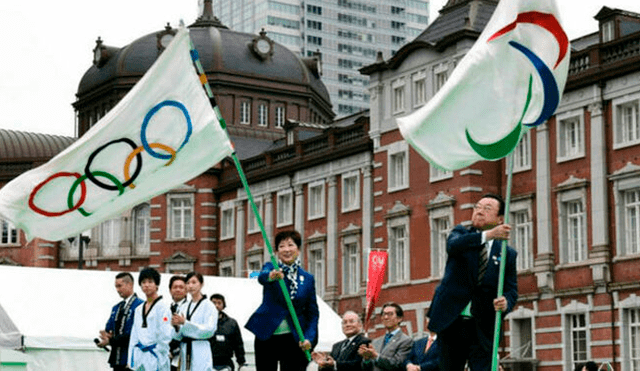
x,y
48,308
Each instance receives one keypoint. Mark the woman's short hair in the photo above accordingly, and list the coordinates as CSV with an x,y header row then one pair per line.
x,y
292,234
149,273
196,275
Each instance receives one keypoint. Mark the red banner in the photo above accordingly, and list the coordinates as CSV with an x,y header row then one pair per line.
x,y
377,267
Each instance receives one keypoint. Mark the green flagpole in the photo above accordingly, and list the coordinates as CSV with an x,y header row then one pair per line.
x,y
245,184
495,360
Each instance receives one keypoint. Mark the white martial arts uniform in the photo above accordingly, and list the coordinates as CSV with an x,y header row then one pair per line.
x,y
150,337
200,325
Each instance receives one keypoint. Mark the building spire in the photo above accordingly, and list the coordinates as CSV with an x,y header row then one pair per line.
x,y
207,19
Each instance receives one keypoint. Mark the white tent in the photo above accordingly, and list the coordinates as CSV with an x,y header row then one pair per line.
x,y
53,315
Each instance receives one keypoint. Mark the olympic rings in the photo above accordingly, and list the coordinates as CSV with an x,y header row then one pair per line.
x,y
80,181
153,111
72,207
136,152
88,172
117,184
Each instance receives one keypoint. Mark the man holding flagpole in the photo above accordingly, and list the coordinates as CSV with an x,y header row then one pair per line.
x,y
463,308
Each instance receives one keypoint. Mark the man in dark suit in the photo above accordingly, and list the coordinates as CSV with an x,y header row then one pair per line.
x,y
462,312
425,353
388,352
344,354
118,328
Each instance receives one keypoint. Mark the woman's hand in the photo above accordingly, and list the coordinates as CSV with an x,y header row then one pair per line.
x,y
276,274
305,345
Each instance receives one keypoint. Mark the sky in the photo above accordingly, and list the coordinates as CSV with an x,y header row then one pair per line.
x,y
47,47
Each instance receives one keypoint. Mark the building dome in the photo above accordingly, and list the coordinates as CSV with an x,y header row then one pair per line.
x,y
223,52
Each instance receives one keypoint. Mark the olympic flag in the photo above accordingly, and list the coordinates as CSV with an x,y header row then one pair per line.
x,y
163,133
511,79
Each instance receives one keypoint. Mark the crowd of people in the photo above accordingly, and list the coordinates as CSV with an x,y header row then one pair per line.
x,y
194,333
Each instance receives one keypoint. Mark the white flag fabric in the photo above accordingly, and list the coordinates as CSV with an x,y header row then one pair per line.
x,y
163,133
511,79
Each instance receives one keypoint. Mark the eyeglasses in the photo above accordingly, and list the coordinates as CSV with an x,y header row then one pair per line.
x,y
481,207
388,314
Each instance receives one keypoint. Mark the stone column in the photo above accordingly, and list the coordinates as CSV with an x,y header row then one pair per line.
x,y
331,295
544,262
268,223
299,217
367,217
240,236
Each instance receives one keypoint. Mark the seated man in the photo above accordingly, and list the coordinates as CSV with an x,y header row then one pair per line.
x,y
425,353
344,354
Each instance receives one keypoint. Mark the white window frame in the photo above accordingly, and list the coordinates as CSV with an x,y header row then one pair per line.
x,y
245,112
284,208
440,76
627,330
351,264
227,220
183,234
522,154
254,260
568,312
437,174
570,125
252,222
110,236
398,176
525,257
280,116
620,133
438,238
565,200
315,207
607,32
10,235
419,89
355,205
624,183
317,266
517,348
263,114
226,266
141,246
399,264
399,93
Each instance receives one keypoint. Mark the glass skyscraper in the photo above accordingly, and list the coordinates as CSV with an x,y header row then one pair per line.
x,y
347,34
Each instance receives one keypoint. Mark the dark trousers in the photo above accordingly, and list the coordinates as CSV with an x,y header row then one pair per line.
x,y
281,349
459,343
121,368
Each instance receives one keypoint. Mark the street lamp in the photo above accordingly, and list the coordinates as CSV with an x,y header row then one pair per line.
x,y
83,239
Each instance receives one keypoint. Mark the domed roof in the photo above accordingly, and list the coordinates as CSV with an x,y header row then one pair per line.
x,y
222,52
22,145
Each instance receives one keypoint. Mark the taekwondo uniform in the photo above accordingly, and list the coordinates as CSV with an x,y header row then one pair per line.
x,y
150,337
200,325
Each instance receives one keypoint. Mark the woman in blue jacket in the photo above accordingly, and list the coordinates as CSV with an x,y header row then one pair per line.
x,y
277,340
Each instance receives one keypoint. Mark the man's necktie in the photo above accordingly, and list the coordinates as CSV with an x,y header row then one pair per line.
x,y
482,262
387,337
429,343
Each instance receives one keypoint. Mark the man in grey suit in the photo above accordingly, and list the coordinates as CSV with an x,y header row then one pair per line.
x,y
388,352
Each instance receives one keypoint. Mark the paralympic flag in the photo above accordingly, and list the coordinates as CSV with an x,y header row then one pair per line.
x,y
163,133
511,80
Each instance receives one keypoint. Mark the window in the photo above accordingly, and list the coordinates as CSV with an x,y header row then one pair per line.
x,y
351,264
626,122
263,115
578,335
631,214
245,112
440,227
440,76
316,200
350,192
279,117
522,337
572,225
522,153
398,254
398,99
314,40
633,336
141,229
285,208
316,265
252,221
314,9
110,237
607,31
314,25
522,236
419,92
227,220
180,216
9,233
436,173
398,170
226,268
570,138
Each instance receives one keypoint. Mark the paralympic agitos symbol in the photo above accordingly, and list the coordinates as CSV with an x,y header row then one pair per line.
x,y
503,147
117,185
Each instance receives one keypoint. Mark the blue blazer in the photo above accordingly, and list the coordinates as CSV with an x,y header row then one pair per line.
x,y
459,285
120,341
264,321
427,361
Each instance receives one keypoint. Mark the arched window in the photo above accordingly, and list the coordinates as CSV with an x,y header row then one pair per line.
x,y
141,231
